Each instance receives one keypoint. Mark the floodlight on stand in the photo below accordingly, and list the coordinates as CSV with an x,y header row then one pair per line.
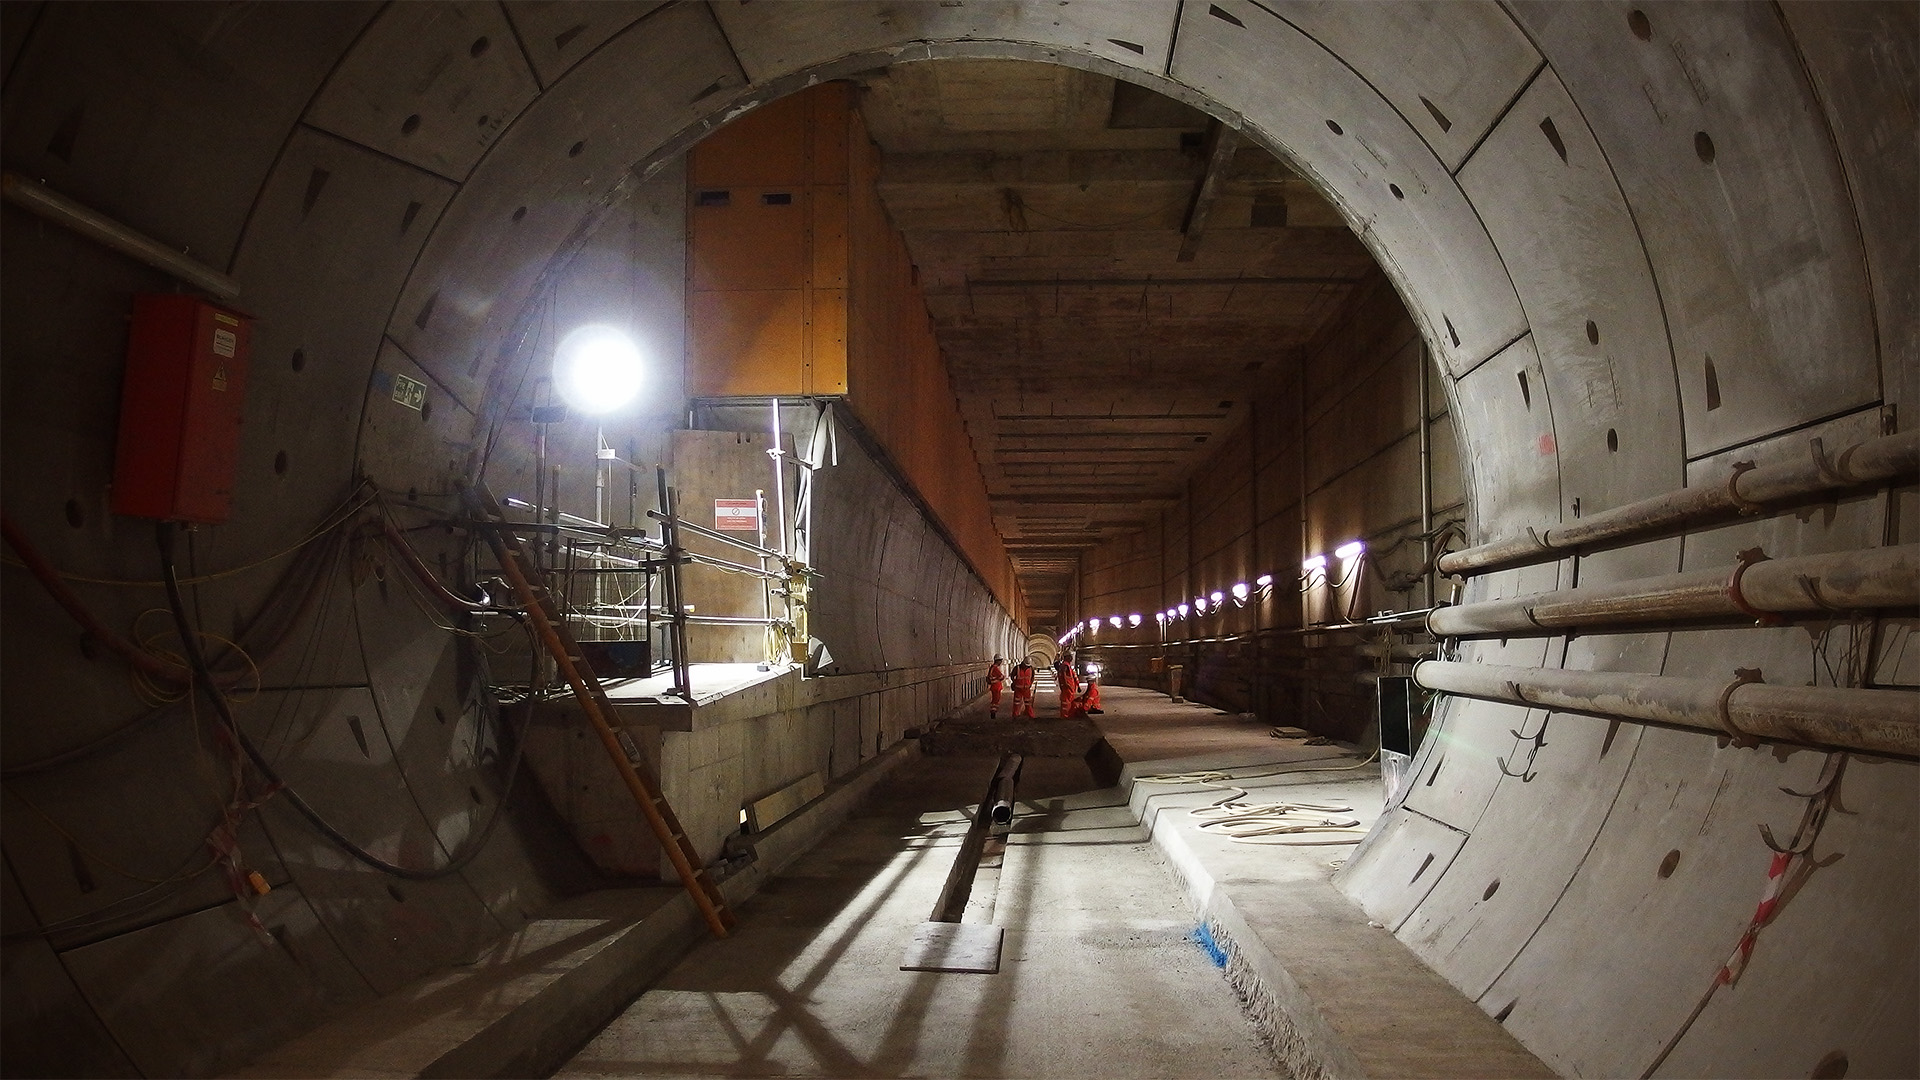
x,y
598,369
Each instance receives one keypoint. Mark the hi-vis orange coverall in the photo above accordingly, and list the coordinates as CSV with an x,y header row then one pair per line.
x,y
996,678
1023,691
1069,685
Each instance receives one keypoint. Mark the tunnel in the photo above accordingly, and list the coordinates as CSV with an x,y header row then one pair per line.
x,y
1545,372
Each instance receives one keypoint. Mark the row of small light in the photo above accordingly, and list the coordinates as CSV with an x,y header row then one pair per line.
x,y
1217,600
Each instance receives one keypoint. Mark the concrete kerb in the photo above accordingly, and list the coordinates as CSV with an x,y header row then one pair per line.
x,y
1285,1016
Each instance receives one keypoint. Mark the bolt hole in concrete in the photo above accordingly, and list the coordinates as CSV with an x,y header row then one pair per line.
x,y
1492,888
1703,145
439,713
1335,128
1502,1015
426,410
478,48
299,361
474,793
576,149
1593,332
280,463
1397,193
75,516
410,125
1638,23
1831,1067
1668,864
520,213
394,891
1613,441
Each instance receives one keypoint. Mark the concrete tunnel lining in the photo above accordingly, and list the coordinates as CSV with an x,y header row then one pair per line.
x,y
1612,304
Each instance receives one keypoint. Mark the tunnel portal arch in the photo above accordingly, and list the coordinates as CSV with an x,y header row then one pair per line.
x,y
1637,246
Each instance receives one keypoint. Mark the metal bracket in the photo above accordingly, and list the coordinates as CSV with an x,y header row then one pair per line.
x,y
1745,505
1747,559
1741,677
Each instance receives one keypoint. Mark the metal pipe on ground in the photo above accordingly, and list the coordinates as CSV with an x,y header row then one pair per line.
x,y
1838,581
1746,490
1871,721
953,896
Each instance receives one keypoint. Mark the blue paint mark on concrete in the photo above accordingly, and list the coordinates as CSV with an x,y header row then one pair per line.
x,y
1203,937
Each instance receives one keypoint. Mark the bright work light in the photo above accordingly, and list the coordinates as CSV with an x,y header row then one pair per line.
x,y
1349,550
597,369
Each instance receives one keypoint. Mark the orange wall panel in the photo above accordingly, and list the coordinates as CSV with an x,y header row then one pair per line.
x,y
750,344
767,145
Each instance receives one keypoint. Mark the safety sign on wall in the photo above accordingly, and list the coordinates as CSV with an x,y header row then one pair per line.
x,y
736,515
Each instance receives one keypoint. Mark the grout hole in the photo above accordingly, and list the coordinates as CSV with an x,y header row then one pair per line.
x,y
1553,137
1501,1016
1637,22
474,792
426,410
484,120
1335,128
1492,888
520,213
1424,863
299,360
1713,386
1526,392
75,516
410,125
1703,145
440,714
280,463
1831,1067
1452,334
1397,193
1613,441
394,891
576,149
479,48
1667,864
1593,332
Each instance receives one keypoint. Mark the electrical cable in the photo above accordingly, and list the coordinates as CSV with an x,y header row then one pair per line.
x,y
203,682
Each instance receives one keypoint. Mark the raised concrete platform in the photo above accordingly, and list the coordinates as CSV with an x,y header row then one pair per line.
x,y
1337,995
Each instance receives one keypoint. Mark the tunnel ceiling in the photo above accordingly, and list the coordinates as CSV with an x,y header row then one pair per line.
x,y
1109,275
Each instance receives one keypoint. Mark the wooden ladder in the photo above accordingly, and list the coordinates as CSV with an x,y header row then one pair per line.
x,y
549,625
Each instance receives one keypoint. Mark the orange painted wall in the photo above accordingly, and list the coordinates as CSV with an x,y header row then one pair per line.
x,y
818,296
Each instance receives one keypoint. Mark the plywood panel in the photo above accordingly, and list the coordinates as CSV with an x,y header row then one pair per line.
x,y
744,343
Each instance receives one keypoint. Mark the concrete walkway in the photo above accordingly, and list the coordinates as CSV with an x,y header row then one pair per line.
x,y
1333,993
1098,976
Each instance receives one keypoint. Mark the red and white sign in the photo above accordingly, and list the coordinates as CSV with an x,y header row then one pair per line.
x,y
736,515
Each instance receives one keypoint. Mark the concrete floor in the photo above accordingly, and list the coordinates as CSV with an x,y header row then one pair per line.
x,y
1099,973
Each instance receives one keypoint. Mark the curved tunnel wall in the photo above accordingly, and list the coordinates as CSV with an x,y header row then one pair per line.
x,y
1597,199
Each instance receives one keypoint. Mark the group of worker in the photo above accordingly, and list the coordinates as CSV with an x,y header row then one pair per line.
x,y
1077,699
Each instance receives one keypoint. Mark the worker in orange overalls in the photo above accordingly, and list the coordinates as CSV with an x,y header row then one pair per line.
x,y
1090,695
1068,684
996,679
1023,690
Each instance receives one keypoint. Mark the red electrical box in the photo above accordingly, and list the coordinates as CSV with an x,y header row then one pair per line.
x,y
180,405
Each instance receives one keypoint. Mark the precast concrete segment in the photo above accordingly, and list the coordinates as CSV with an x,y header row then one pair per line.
x,y
1874,721
1842,581
1747,489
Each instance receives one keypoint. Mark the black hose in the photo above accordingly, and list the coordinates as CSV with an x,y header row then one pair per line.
x,y
203,682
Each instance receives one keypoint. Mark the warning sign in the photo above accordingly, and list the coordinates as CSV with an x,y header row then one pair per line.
x,y
736,515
